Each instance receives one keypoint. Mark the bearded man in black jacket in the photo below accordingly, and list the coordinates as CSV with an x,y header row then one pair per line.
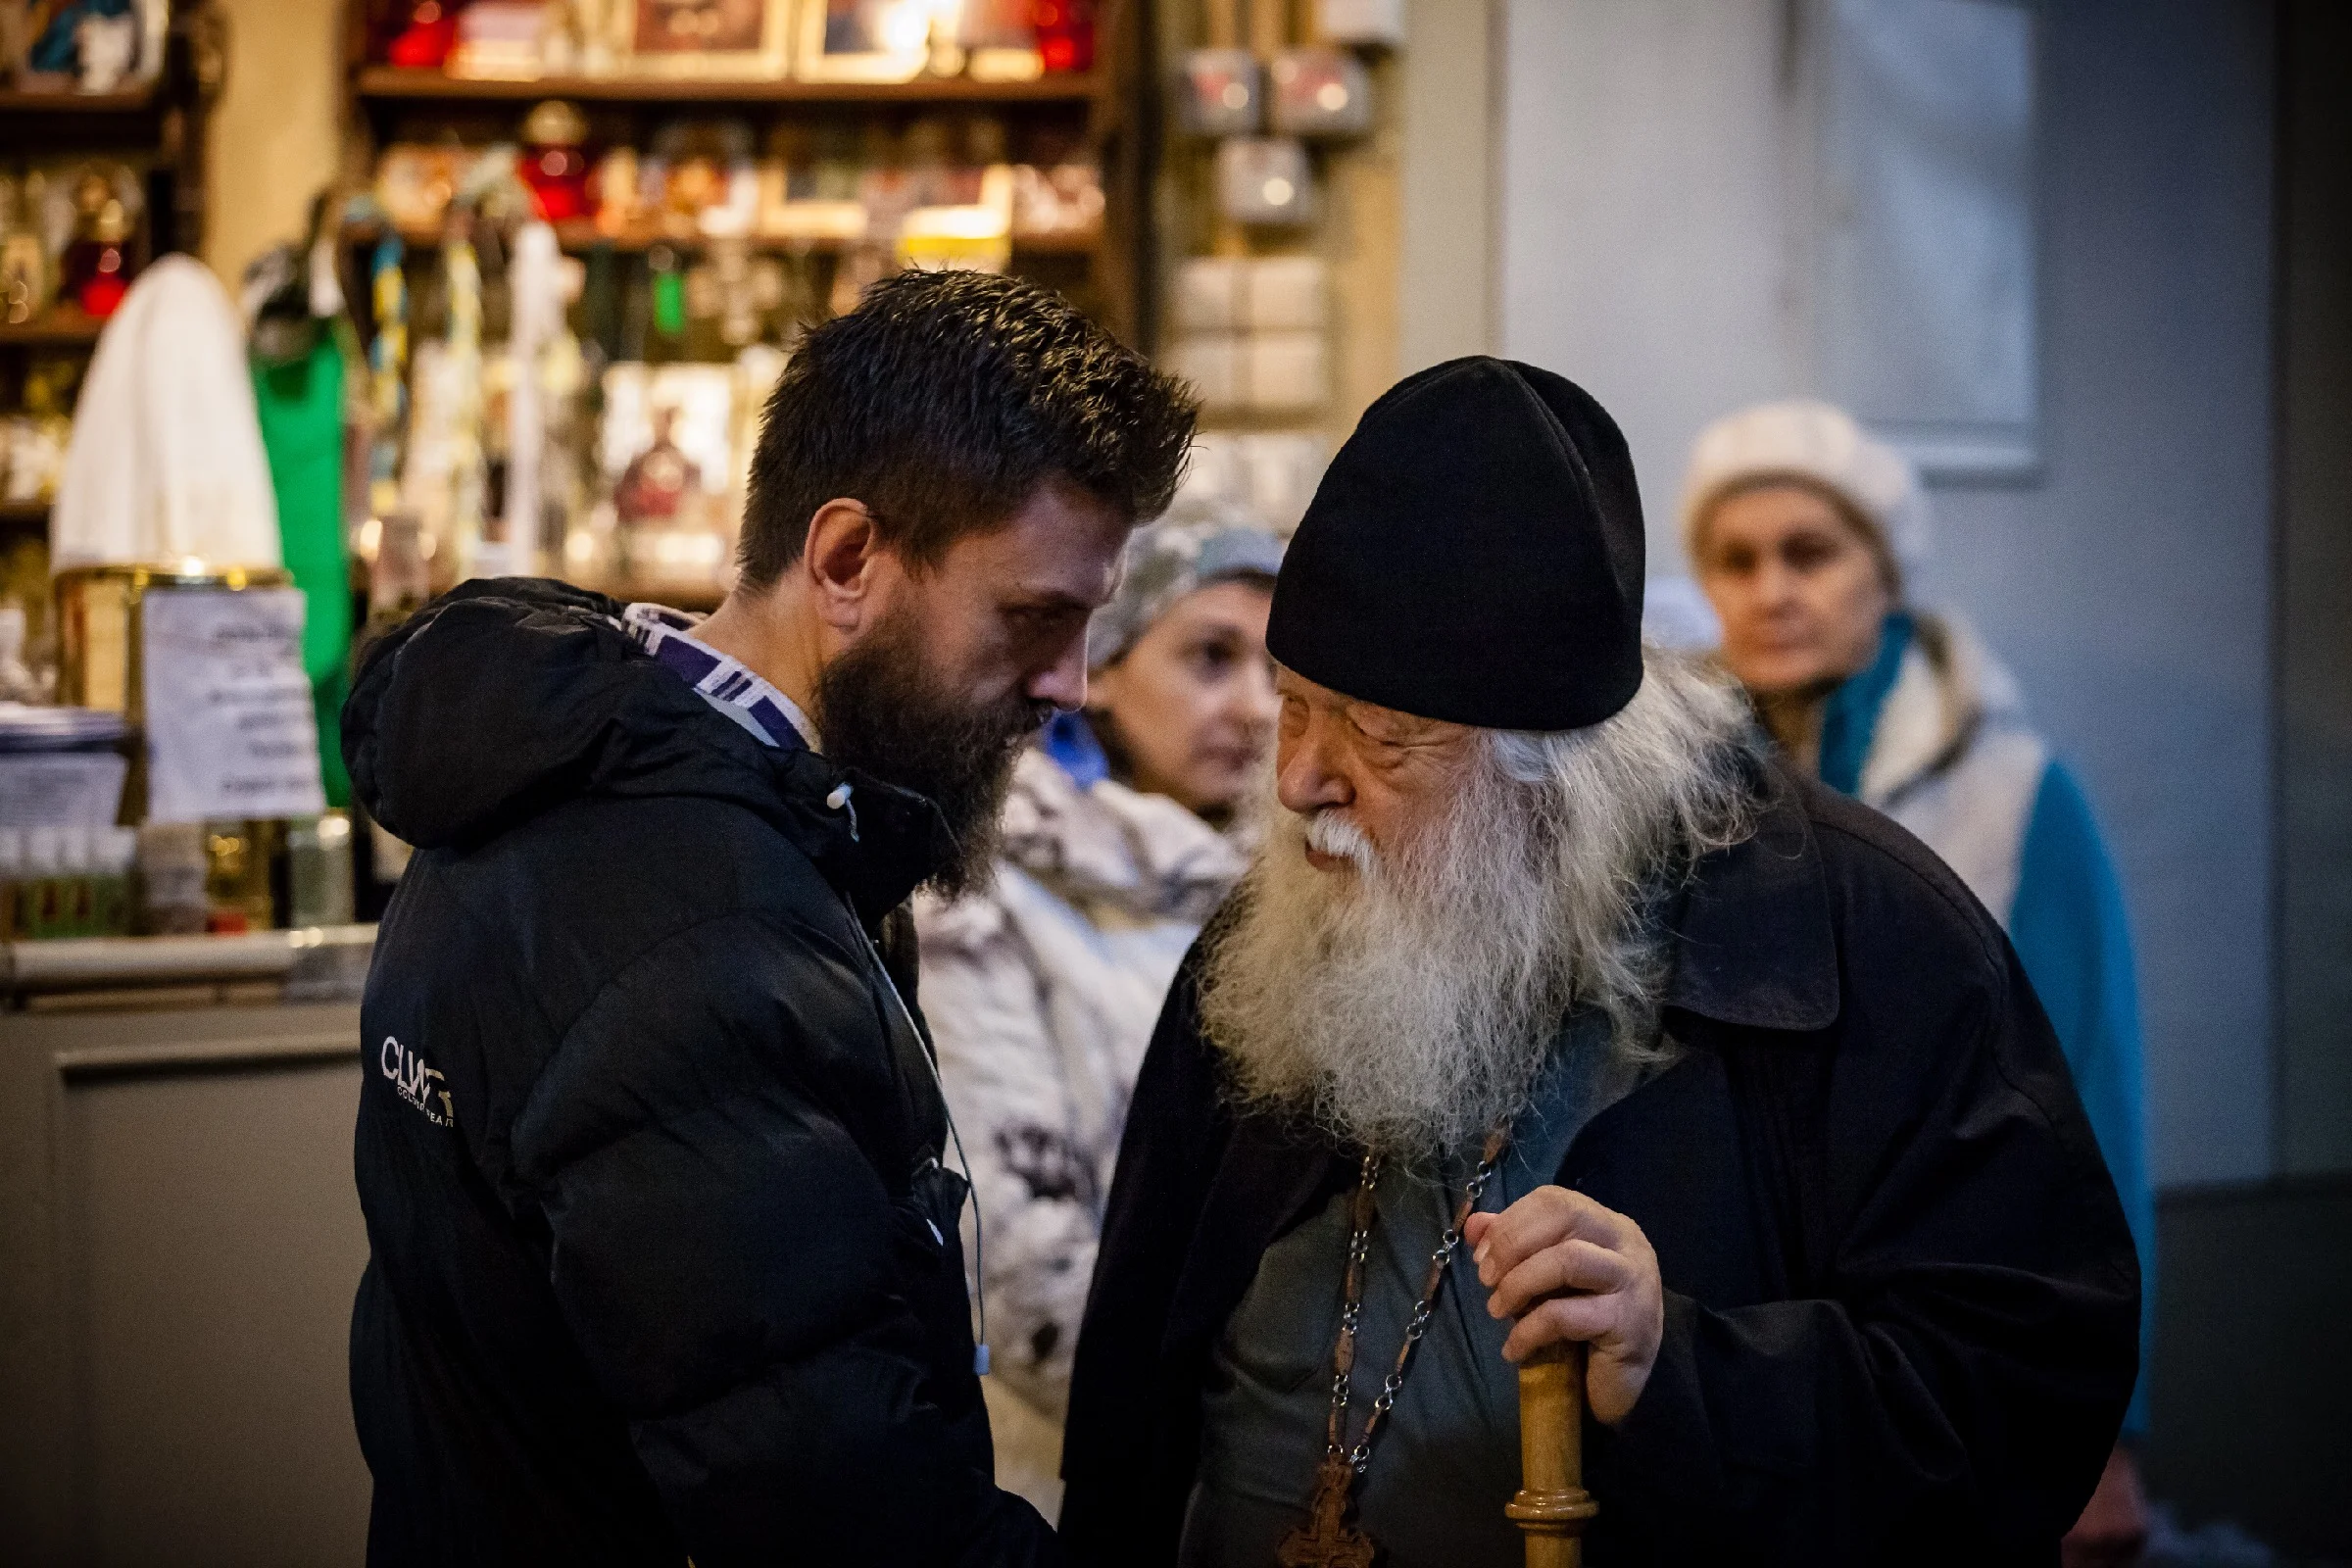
x,y
655,1170
1553,1010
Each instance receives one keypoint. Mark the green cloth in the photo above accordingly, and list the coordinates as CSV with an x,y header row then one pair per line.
x,y
301,407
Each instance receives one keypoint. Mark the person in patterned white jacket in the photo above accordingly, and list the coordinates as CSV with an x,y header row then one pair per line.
x,y
1119,839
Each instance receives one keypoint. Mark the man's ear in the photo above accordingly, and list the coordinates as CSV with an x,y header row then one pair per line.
x,y
839,561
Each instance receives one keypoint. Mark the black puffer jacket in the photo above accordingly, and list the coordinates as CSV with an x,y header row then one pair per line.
x,y
664,1256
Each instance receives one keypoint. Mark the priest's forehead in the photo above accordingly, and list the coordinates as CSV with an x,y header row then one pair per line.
x,y
1392,725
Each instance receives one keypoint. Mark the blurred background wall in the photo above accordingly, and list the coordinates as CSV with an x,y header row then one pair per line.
x,y
277,132
1653,248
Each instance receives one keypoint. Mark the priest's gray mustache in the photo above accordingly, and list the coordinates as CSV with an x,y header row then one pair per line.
x,y
1329,833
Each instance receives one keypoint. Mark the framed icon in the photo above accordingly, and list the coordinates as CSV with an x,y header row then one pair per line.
x,y
713,38
866,40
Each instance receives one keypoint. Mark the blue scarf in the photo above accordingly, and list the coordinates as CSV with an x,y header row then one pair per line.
x,y
1850,719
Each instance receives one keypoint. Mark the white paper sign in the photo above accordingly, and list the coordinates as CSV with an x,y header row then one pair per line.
x,y
230,730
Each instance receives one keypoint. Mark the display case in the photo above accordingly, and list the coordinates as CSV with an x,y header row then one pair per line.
x,y
705,204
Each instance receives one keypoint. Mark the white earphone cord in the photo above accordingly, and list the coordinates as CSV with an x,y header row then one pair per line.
x,y
840,801
954,1136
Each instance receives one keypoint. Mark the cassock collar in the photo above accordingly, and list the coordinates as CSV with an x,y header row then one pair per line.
x,y
1752,936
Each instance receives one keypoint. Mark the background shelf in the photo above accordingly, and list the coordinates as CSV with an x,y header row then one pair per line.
x,y
131,101
699,595
577,236
61,327
388,83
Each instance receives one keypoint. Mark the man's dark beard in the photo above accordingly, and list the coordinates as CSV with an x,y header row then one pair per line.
x,y
882,710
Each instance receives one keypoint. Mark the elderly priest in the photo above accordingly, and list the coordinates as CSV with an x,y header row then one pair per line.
x,y
1553,1009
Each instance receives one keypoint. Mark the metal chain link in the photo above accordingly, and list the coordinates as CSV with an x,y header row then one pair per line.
x,y
1351,1304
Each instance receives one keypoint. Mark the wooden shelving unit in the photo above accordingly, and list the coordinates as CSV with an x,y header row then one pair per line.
x,y
159,124
390,85
1111,110
578,236
156,127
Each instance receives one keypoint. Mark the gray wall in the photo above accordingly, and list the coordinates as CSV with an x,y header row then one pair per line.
x,y
1645,171
1450,124
1643,208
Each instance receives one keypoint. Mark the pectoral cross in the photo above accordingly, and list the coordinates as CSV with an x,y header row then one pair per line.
x,y
1326,1539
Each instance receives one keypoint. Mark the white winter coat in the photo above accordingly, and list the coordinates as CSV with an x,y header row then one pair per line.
x,y
1953,758
1040,993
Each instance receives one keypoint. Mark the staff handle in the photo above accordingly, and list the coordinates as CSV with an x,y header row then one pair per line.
x,y
1552,1507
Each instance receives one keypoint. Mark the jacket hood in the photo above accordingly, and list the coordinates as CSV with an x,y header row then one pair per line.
x,y
1949,690
508,697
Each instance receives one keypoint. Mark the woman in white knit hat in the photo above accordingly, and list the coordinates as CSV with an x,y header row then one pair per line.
x,y
1802,530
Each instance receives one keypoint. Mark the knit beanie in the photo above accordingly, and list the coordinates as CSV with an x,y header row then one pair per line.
x,y
1170,559
1473,554
1815,442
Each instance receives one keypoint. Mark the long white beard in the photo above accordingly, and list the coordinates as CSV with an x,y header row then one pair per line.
x,y
1407,1005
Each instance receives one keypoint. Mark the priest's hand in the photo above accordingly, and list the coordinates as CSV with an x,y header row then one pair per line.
x,y
1569,1270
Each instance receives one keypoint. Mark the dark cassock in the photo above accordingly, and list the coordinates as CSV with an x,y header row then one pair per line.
x,y
1762,1107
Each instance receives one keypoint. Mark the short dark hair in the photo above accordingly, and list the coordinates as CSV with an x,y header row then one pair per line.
x,y
943,402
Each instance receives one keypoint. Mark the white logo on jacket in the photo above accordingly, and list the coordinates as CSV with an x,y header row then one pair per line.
x,y
419,1084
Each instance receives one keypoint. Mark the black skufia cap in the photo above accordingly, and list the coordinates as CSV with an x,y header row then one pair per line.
x,y
1474,553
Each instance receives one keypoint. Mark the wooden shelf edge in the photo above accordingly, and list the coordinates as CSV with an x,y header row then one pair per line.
x,y
130,101
62,328
390,83
578,237
691,595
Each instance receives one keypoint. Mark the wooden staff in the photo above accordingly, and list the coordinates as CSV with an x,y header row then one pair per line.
x,y
1553,1507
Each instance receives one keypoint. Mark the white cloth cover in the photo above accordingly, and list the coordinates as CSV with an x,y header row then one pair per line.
x,y
166,462
1954,760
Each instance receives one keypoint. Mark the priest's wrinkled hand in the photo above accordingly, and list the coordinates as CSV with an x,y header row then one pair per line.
x,y
1568,1268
